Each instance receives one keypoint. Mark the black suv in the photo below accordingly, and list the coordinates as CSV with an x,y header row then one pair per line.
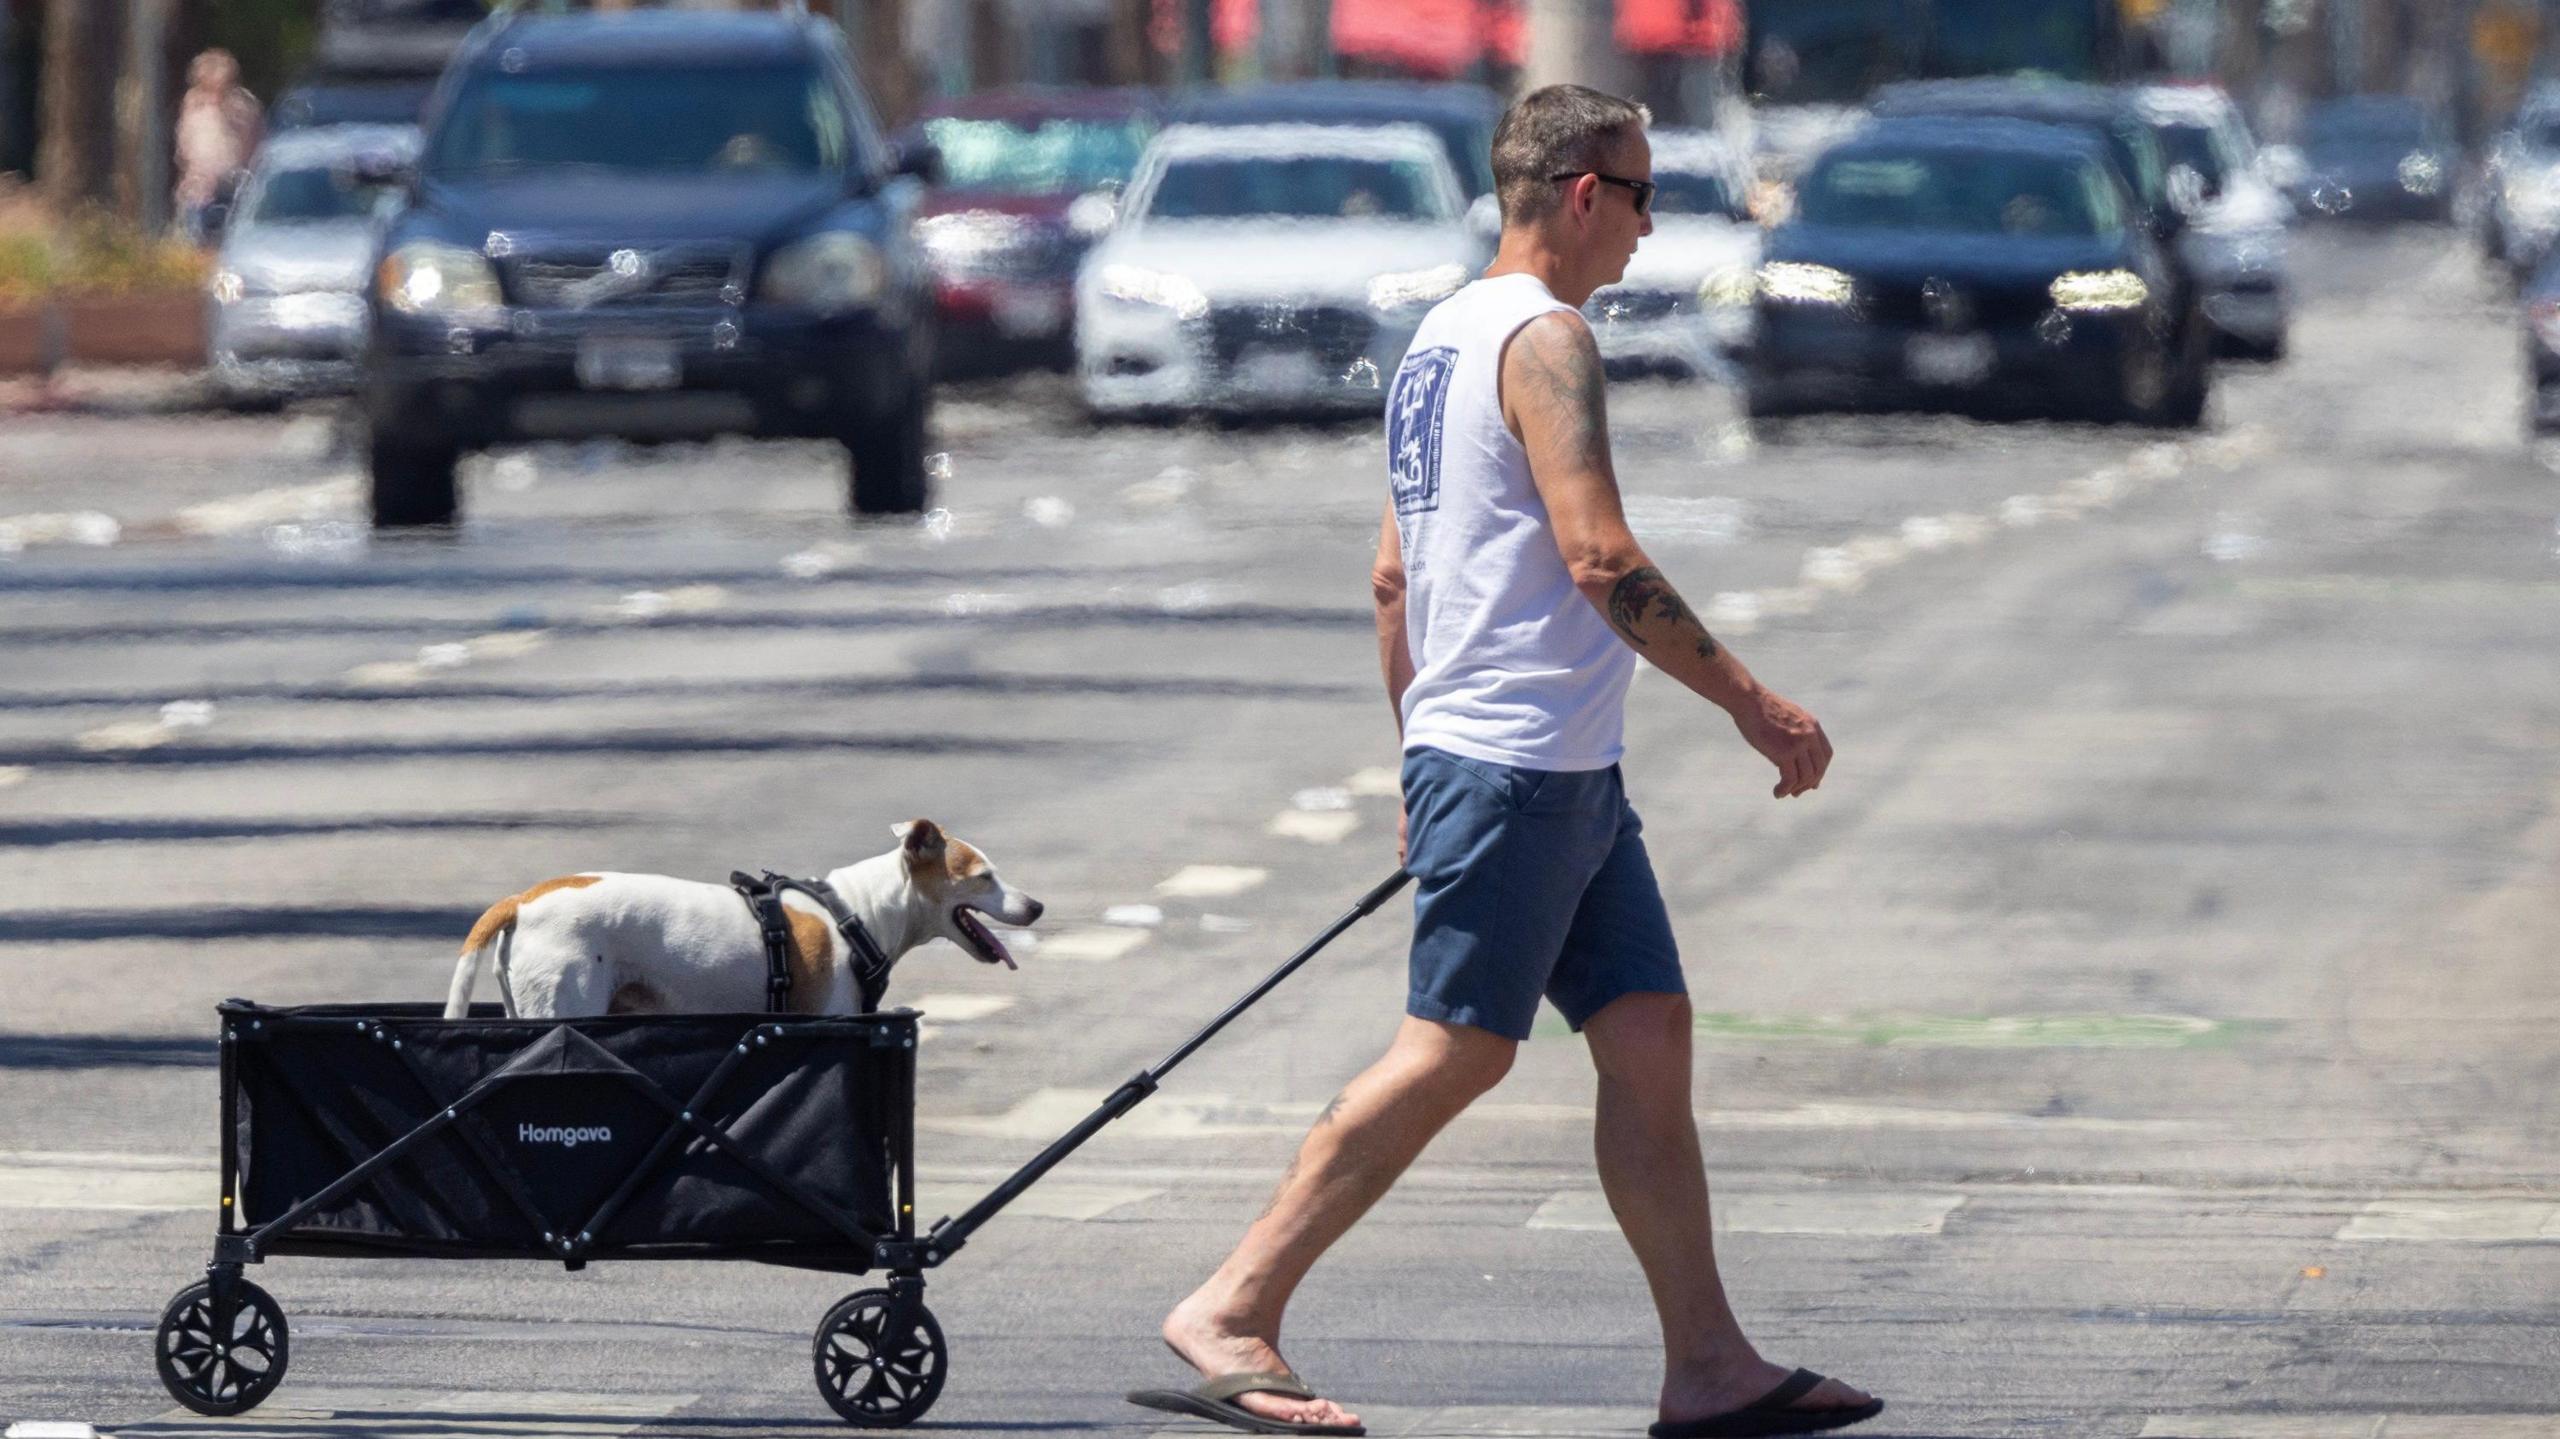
x,y
651,225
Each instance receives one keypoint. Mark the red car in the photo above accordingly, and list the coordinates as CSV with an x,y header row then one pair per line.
x,y
1031,178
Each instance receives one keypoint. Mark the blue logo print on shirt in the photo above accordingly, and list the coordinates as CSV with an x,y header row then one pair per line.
x,y
1414,411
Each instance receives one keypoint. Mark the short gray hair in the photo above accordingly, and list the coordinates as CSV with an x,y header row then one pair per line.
x,y
1553,131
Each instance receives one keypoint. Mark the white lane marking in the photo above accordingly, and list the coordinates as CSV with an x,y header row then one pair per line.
x,y
1474,1421
1817,1211
1212,881
53,1180
642,606
1134,916
129,735
1095,944
499,645
50,1429
1376,782
74,527
1067,1199
1314,826
13,774
1048,1111
960,1008
821,560
2262,1426
1321,798
2477,1222
328,499
297,1411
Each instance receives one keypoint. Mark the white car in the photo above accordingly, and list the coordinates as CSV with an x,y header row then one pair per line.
x,y
1684,306
287,296
2238,222
1269,267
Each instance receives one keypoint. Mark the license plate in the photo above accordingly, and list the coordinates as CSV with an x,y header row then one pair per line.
x,y
1949,359
628,364
1285,371
1028,313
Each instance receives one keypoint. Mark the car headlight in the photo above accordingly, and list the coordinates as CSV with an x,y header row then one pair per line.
x,y
228,287
1728,288
830,273
1805,284
2421,173
1405,289
1150,287
424,277
2085,290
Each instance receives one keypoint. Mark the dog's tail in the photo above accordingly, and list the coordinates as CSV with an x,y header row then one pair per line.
x,y
493,933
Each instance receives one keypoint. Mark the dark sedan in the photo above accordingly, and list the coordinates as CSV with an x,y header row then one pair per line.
x,y
2114,119
1031,177
2376,157
1966,264
2542,347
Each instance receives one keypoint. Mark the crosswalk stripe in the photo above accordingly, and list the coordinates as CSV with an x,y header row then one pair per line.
x,y
298,1413
2351,1426
2473,1221
1861,1212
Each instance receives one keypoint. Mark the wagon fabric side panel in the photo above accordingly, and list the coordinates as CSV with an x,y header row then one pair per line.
x,y
524,1135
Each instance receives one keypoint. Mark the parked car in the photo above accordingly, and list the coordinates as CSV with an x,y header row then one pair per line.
x,y
2377,157
326,98
2113,118
2520,186
2542,346
286,305
1461,115
1031,177
2238,237
1684,305
653,225
1269,267
1962,263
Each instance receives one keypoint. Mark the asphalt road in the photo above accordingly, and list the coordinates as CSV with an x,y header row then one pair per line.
x,y
2146,1030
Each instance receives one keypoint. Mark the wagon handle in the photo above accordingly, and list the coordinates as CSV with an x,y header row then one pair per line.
x,y
949,1234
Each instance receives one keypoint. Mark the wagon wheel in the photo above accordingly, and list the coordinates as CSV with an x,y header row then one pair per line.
x,y
222,1356
880,1360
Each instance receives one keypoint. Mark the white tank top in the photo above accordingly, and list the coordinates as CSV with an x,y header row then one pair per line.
x,y
1512,665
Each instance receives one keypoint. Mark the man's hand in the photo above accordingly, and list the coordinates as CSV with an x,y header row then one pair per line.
x,y
1787,737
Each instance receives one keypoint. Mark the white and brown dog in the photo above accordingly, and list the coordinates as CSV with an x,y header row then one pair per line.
x,y
591,944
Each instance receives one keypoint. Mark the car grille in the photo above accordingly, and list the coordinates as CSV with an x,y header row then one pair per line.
x,y
1335,335
1963,306
1633,306
629,277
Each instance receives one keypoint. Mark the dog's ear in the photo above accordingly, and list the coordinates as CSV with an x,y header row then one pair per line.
x,y
922,839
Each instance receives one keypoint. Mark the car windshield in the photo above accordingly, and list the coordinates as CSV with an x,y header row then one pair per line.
x,y
1296,187
1965,192
2363,129
691,119
1036,157
313,194
2204,149
1679,193
2541,133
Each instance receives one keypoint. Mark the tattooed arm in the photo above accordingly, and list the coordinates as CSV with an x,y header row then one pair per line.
x,y
1552,398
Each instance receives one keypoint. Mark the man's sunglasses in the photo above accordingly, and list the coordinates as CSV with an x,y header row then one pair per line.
x,y
1643,188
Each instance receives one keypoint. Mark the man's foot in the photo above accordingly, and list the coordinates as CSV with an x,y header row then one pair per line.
x,y
1691,1394
1215,1345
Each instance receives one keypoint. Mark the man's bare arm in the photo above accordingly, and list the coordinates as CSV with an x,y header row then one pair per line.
x,y
1553,398
1386,586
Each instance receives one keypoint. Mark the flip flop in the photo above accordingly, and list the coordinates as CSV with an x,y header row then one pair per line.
x,y
1215,1399
1772,1413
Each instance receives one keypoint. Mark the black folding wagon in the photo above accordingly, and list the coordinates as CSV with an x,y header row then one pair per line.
x,y
388,1131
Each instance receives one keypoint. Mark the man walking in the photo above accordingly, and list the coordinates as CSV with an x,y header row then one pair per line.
x,y
1513,603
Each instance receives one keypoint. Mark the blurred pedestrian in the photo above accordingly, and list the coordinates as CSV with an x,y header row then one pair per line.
x,y
219,127
1513,603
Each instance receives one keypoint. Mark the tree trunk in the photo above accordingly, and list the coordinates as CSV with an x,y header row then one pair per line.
x,y
75,165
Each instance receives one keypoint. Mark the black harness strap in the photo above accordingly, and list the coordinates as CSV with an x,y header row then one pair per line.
x,y
763,895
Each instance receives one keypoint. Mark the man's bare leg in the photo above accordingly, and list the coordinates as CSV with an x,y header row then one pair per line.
x,y
1646,1140
1359,1145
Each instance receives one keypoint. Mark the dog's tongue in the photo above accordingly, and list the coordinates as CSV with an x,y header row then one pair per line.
x,y
979,931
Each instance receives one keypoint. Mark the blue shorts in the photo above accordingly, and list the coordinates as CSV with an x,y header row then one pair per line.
x,y
1527,883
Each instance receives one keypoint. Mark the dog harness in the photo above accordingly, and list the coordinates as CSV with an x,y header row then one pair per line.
x,y
763,895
